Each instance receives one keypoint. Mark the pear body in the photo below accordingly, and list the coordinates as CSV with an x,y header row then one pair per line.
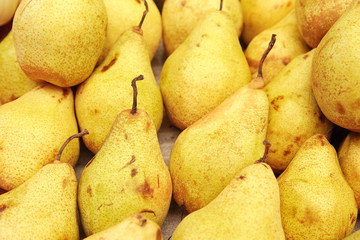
x,y
349,155
208,154
315,17
289,44
43,207
127,176
134,227
13,81
33,129
316,201
205,69
123,15
252,197
292,102
335,83
259,15
179,18
108,91
65,49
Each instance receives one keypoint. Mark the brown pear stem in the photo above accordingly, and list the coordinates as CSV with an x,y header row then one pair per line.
x,y
133,84
271,44
266,153
144,14
221,5
78,135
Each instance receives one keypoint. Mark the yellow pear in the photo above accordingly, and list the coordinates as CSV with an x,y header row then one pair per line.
x,y
108,90
335,72
294,115
32,130
315,17
123,15
13,81
316,202
134,227
290,45
127,175
262,14
248,208
59,41
204,70
179,18
349,158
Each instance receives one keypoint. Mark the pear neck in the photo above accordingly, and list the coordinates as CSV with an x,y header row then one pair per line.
x,y
137,30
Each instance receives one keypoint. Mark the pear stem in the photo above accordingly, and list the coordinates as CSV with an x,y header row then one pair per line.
x,y
266,153
144,14
271,44
78,135
133,84
221,5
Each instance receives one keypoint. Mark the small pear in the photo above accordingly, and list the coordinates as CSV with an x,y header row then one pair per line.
x,y
179,18
316,202
134,227
127,175
248,208
33,128
292,102
108,90
349,158
290,45
13,81
204,70
335,73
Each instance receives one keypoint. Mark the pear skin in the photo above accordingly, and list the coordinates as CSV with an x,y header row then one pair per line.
x,y
33,129
316,201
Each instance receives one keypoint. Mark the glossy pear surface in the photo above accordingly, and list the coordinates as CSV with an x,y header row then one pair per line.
x,y
205,69
316,201
33,129
108,91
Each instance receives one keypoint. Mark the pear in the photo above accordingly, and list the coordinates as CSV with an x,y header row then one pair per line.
x,y
204,70
290,45
108,91
349,158
315,17
292,102
316,202
127,175
13,81
179,18
260,15
123,15
334,82
209,153
65,49
248,208
33,128
134,227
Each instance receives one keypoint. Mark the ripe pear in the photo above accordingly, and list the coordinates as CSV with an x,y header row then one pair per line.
x,y
248,208
316,202
262,14
315,17
292,102
108,90
290,45
134,227
335,75
59,41
123,15
349,158
13,81
179,18
33,128
204,70
127,175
